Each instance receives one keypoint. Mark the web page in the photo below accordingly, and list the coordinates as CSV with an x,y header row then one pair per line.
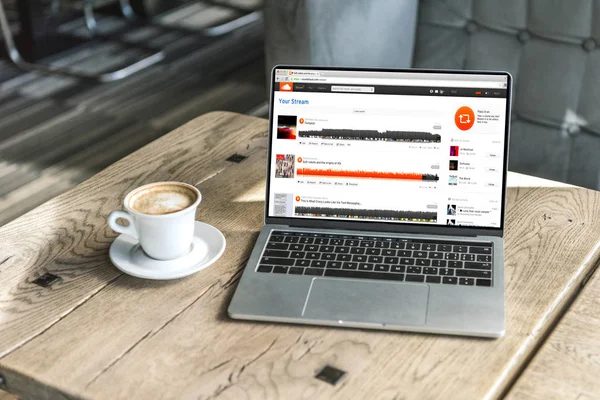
x,y
388,153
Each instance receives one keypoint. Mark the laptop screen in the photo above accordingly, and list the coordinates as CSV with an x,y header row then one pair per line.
x,y
386,146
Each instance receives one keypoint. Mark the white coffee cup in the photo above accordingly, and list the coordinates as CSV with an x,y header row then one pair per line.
x,y
161,217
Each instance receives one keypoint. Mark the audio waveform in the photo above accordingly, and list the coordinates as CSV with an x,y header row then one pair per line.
x,y
333,173
352,213
371,135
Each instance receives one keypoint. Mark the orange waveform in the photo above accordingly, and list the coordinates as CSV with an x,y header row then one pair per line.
x,y
359,174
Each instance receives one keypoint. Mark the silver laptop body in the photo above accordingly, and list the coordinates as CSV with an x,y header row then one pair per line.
x,y
385,201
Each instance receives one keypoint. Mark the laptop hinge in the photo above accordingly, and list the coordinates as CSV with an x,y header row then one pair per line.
x,y
377,228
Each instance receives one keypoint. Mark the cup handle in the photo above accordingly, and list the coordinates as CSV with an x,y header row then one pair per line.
x,y
128,230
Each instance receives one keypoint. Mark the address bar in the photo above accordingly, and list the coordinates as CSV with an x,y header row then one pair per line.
x,y
403,82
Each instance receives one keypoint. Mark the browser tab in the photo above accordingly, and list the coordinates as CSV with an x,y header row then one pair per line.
x,y
304,73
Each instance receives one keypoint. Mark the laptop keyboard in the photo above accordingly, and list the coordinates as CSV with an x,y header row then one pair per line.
x,y
368,257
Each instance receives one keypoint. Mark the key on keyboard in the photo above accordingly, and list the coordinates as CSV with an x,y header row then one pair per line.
x,y
435,262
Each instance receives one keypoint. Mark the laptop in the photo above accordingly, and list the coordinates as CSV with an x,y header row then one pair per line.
x,y
385,201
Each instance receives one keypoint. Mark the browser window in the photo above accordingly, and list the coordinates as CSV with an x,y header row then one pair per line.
x,y
420,148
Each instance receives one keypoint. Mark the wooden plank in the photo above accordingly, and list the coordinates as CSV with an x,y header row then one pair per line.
x,y
107,335
7,396
230,217
23,113
36,243
246,97
26,182
7,69
57,179
567,366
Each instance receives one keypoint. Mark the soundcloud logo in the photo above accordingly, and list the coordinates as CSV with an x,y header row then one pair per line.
x,y
464,118
286,86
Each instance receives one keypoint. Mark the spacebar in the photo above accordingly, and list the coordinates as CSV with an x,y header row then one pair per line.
x,y
341,273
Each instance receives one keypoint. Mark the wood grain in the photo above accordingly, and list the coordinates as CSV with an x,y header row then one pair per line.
x,y
100,334
568,364
7,396
31,182
69,236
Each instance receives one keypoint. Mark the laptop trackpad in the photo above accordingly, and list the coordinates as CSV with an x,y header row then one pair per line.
x,y
367,301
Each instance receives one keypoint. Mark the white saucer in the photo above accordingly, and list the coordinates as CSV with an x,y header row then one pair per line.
x,y
208,245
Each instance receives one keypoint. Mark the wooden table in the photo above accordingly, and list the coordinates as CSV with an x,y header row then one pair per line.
x,y
568,364
100,334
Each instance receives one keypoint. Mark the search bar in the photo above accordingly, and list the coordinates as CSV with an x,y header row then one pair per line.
x,y
353,89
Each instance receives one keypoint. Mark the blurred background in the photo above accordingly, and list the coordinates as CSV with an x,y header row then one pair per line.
x,y
96,80
85,82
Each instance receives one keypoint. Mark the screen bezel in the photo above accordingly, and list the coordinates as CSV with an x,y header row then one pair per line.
x,y
397,227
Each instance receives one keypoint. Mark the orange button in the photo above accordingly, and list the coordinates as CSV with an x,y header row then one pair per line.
x,y
464,118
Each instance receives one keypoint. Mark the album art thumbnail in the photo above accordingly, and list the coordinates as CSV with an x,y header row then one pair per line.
x,y
451,222
286,127
453,151
452,180
451,210
453,165
284,166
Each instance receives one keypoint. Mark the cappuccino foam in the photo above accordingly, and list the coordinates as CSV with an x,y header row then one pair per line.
x,y
164,198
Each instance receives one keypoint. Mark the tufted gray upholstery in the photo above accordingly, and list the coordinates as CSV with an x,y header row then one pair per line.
x,y
332,32
551,47
552,50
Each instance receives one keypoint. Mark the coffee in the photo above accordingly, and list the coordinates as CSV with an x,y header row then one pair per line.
x,y
161,217
162,198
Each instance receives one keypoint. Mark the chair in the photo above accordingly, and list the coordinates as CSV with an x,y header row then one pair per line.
x,y
213,31
16,57
155,56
